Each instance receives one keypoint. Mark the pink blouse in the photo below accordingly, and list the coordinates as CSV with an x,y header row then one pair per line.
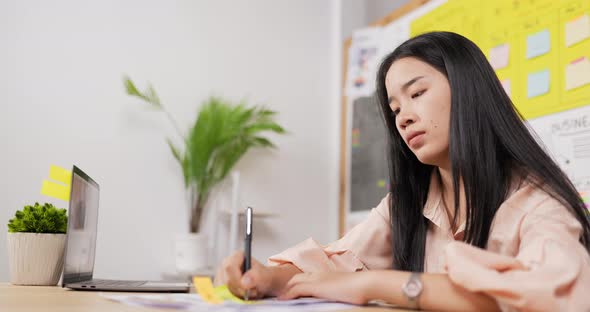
x,y
533,261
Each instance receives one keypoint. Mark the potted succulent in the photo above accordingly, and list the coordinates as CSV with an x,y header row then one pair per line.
x,y
36,241
221,134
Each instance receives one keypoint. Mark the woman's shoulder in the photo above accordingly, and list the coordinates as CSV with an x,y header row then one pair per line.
x,y
530,208
383,207
525,194
529,197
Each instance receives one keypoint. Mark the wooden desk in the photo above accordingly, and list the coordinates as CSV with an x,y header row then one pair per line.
x,y
49,299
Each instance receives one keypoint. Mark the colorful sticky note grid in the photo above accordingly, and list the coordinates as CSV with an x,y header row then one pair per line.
x,y
55,190
499,56
537,83
577,73
538,44
507,87
577,30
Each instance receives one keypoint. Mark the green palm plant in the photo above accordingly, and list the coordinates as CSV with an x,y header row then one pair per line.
x,y
222,133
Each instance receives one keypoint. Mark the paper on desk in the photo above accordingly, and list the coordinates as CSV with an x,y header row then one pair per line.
x,y
193,302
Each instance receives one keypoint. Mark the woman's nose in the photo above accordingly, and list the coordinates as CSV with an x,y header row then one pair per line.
x,y
406,118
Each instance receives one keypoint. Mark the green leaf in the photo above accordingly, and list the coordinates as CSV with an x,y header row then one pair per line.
x,y
150,96
174,151
130,87
265,126
267,113
263,142
182,160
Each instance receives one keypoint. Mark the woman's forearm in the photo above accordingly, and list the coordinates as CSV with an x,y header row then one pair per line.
x,y
438,292
281,274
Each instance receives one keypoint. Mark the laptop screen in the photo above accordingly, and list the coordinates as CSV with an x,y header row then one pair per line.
x,y
81,234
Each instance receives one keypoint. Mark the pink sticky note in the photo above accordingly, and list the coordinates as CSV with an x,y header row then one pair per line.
x,y
506,85
499,56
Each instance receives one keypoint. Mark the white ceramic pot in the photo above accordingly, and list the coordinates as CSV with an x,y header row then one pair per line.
x,y
35,258
191,252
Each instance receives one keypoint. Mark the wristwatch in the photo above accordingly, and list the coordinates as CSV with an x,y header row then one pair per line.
x,y
412,289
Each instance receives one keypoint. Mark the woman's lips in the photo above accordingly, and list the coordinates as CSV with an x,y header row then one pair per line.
x,y
416,140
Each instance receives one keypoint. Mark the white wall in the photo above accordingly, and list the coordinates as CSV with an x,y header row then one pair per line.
x,y
378,9
358,14
354,16
62,102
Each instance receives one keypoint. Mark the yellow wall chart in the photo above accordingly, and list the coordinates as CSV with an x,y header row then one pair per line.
x,y
540,49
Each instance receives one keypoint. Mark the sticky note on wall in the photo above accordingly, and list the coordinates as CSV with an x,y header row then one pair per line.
x,y
537,83
577,30
59,186
507,87
538,44
60,174
577,73
55,190
499,56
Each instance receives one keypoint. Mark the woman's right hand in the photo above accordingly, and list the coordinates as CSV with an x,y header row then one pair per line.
x,y
258,280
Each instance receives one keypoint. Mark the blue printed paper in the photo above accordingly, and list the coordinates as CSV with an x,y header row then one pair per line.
x,y
538,83
538,44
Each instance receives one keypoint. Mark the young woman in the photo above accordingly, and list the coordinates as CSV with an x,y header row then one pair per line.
x,y
478,216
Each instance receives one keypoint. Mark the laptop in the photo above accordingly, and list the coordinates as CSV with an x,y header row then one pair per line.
x,y
81,244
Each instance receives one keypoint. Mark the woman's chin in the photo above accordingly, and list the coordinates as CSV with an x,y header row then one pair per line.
x,y
427,158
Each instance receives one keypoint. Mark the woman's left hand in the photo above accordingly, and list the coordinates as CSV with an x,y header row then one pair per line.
x,y
339,286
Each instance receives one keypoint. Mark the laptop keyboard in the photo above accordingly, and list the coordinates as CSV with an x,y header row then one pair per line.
x,y
113,283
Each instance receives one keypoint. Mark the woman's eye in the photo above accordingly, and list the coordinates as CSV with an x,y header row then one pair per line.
x,y
395,112
417,94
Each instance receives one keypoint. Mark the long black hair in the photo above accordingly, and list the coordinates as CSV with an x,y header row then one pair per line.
x,y
488,143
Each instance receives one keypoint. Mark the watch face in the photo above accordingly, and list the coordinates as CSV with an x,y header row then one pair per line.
x,y
413,288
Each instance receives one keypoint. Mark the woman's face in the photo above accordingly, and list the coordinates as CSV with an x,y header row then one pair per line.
x,y
420,97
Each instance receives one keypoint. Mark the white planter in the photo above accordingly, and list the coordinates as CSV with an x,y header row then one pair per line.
x,y
191,253
35,258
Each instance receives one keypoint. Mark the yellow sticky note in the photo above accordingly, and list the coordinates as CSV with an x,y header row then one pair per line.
x,y
55,190
577,73
204,288
224,293
577,30
60,174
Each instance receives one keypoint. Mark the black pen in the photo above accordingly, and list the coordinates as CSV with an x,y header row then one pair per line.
x,y
248,246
